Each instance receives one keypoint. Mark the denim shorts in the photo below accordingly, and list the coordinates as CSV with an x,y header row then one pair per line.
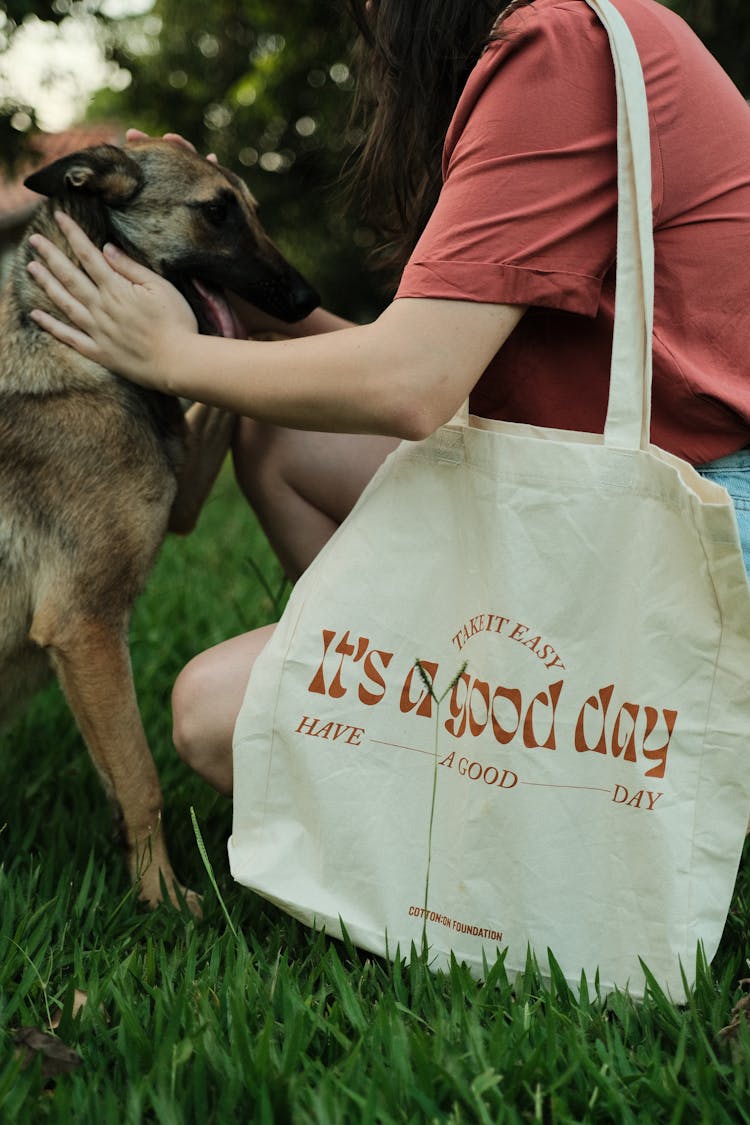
x,y
733,472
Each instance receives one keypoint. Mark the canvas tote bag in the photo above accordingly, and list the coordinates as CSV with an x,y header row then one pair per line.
x,y
580,603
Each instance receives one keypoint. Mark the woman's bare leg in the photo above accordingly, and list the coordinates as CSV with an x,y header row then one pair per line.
x,y
302,485
206,700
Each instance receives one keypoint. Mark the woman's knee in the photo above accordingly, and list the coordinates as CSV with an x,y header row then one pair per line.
x,y
206,700
201,727
187,714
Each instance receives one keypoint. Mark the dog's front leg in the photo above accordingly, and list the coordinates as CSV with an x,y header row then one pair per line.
x,y
92,662
208,438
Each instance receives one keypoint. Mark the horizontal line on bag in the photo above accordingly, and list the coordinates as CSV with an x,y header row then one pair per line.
x,y
540,784
400,746
551,785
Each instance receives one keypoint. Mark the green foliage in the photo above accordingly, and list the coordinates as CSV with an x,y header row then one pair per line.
x,y
267,87
255,1018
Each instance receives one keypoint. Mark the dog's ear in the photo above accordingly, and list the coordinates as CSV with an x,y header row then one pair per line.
x,y
105,171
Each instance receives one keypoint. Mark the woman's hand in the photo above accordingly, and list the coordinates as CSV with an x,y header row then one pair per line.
x,y
120,314
175,138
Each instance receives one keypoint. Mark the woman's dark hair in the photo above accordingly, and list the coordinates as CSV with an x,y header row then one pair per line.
x,y
412,60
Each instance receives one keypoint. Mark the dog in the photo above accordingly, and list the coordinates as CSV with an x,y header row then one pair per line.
x,y
92,468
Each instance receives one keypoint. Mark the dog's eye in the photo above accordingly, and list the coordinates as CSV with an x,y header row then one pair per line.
x,y
216,213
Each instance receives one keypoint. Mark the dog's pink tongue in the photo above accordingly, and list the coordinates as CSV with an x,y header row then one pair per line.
x,y
221,312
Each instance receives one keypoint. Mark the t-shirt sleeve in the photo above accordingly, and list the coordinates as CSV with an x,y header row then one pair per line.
x,y
527,211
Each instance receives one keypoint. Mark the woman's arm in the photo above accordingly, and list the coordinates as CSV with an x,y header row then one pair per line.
x,y
403,375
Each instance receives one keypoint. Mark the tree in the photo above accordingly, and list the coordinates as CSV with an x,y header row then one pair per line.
x,y
267,87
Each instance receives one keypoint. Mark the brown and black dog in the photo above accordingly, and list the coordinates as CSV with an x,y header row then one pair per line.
x,y
90,464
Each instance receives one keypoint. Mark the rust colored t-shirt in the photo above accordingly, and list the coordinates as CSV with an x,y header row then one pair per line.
x,y
527,215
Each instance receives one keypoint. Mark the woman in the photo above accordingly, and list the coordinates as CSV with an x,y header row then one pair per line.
x,y
507,289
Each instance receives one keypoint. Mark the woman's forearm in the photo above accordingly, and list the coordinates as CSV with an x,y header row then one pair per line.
x,y
402,376
312,382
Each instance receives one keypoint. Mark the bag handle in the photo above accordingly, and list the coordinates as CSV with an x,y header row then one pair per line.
x,y
628,422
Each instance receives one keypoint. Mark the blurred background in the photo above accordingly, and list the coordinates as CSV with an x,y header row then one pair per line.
x,y
266,85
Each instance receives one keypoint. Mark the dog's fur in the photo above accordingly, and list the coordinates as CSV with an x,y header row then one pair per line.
x,y
89,463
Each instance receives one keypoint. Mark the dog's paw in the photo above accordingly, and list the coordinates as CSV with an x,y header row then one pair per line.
x,y
165,889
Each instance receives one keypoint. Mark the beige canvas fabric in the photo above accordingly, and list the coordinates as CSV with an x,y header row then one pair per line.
x,y
583,785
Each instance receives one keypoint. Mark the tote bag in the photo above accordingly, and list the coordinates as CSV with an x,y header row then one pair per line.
x,y
580,604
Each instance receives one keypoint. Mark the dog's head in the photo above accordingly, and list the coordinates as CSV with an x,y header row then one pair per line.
x,y
188,219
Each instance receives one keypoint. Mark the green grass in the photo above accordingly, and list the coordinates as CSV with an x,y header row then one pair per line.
x,y
254,1018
